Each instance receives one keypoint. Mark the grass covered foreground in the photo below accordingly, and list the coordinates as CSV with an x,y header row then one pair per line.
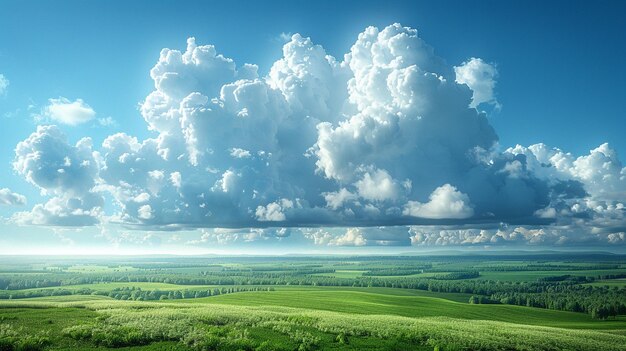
x,y
552,302
200,325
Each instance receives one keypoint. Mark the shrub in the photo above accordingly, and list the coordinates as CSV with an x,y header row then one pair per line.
x,y
266,346
15,340
32,343
342,338
78,332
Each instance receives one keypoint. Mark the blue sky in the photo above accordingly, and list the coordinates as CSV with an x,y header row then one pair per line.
x,y
559,81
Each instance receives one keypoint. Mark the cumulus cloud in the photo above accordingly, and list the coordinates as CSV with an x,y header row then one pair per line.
x,y
382,138
68,112
144,212
64,171
352,237
4,85
63,211
239,153
377,186
444,202
9,198
481,78
274,211
48,161
601,171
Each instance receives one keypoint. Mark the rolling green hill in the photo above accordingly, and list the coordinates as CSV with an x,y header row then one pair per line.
x,y
227,324
382,302
314,303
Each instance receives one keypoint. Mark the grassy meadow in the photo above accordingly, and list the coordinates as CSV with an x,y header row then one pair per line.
x,y
312,303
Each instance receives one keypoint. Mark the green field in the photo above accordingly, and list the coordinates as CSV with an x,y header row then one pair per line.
x,y
342,274
99,269
407,303
307,303
381,302
620,283
109,286
534,275
374,321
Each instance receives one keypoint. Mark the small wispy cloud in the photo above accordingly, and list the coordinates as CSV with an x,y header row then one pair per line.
x,y
9,198
284,37
107,122
68,112
4,85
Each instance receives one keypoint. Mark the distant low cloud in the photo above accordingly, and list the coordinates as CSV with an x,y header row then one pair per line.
x,y
358,236
69,112
4,85
511,236
9,198
492,235
385,139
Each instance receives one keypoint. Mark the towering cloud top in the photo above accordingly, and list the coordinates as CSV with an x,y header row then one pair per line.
x,y
388,135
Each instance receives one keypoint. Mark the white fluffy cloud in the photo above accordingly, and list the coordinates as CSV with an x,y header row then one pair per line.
x,y
69,112
593,187
9,198
145,212
444,202
274,211
64,171
601,172
49,162
4,85
377,186
384,137
352,237
481,78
